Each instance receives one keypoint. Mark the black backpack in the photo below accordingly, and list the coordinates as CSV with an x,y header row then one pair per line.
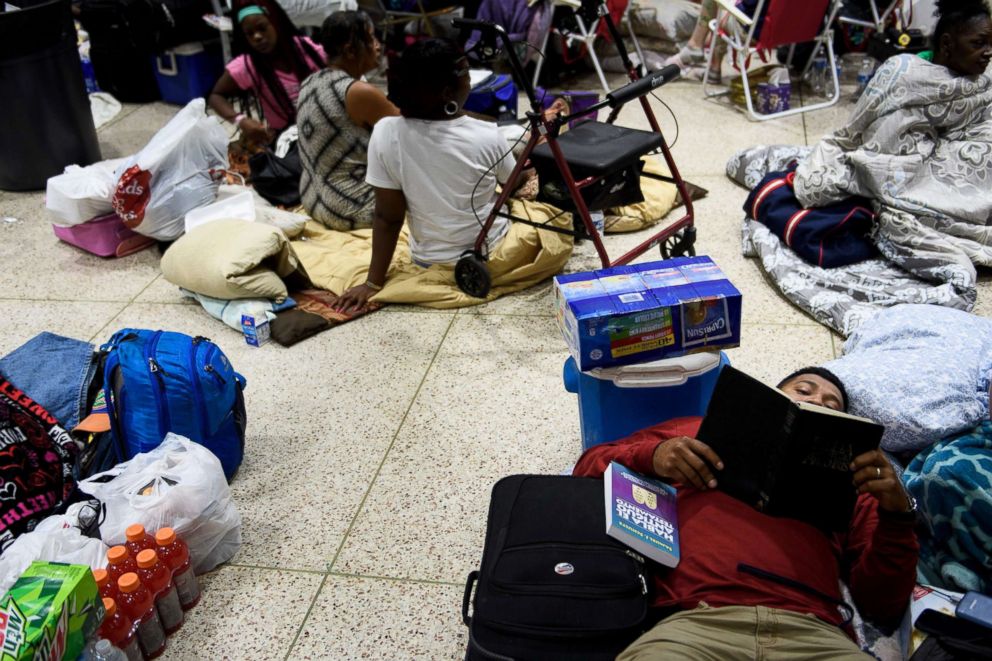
x,y
552,584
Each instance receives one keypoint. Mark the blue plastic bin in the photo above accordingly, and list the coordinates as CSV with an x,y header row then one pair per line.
x,y
188,72
617,401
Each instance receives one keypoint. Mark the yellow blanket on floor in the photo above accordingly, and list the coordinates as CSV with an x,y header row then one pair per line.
x,y
659,198
526,256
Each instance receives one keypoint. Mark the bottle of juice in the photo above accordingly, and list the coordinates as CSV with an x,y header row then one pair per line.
x,y
138,540
118,629
107,587
158,579
175,555
119,562
139,605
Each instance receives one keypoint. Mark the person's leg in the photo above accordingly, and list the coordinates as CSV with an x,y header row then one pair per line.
x,y
785,635
692,53
702,634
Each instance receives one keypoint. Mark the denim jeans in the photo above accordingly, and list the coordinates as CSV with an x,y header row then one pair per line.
x,y
54,371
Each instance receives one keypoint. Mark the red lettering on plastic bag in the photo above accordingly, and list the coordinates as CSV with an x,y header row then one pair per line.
x,y
133,192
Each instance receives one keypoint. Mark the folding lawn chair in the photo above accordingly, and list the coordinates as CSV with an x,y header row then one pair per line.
x,y
593,166
786,23
585,31
401,17
878,22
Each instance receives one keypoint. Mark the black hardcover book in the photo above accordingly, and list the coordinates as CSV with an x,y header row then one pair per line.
x,y
785,458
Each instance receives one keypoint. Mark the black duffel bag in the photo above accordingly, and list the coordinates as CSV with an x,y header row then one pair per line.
x,y
277,179
552,584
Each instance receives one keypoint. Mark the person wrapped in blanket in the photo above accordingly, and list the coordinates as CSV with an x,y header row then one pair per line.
x,y
752,586
435,166
275,58
335,115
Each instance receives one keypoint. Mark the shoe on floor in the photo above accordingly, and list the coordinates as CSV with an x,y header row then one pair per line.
x,y
713,77
687,58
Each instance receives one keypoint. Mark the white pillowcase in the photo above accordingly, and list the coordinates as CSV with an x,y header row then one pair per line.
x,y
921,370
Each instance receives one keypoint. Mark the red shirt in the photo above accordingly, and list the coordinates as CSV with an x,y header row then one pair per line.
x,y
876,557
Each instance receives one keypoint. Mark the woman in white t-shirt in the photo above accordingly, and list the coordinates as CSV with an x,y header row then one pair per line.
x,y
434,165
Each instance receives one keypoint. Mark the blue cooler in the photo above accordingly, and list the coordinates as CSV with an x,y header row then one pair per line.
x,y
188,72
615,402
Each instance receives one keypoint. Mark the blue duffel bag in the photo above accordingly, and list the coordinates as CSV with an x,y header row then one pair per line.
x,y
496,96
828,236
156,382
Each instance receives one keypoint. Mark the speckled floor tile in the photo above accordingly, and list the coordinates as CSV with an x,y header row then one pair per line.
x,y
320,416
492,405
708,133
771,352
36,265
161,290
360,618
983,306
128,134
244,614
22,320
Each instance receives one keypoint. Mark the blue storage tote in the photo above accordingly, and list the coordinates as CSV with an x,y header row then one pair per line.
x,y
615,402
188,72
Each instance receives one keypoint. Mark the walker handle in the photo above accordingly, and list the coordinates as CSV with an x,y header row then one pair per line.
x,y
639,88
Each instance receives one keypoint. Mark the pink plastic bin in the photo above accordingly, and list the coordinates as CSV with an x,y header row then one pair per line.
x,y
105,236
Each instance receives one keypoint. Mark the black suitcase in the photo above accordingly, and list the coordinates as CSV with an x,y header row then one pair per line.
x,y
553,586
124,36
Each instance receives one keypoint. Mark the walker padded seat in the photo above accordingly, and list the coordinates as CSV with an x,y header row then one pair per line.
x,y
596,149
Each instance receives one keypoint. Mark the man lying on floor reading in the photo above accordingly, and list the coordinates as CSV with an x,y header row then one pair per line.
x,y
751,585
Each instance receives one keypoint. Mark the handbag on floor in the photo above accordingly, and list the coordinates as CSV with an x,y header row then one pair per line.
x,y
552,584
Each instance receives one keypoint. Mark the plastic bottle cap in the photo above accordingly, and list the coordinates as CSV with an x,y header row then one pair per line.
x,y
129,582
165,536
110,606
101,577
147,558
103,647
135,533
117,554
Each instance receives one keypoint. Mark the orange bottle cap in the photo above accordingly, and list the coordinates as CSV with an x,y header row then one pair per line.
x,y
129,582
117,554
165,536
110,606
101,577
147,558
135,533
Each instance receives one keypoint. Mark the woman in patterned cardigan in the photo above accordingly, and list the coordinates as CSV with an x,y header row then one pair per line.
x,y
335,115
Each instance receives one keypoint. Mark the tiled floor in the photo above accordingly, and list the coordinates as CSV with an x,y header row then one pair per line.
x,y
372,448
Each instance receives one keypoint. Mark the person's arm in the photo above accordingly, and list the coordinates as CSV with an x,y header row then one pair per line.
x,y
366,104
226,87
881,550
666,451
390,210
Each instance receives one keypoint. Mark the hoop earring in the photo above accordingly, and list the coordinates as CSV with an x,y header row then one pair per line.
x,y
451,108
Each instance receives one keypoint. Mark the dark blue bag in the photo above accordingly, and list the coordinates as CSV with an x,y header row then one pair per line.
x,y
496,96
830,236
157,382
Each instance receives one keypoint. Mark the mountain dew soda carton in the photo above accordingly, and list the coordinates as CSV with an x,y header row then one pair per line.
x,y
632,314
49,613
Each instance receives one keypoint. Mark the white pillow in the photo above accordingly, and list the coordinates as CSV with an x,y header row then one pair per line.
x,y
921,370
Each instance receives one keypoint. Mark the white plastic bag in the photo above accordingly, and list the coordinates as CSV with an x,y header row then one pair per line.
x,y
180,484
53,540
81,194
176,172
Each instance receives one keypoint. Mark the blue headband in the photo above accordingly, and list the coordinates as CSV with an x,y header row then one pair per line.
x,y
250,10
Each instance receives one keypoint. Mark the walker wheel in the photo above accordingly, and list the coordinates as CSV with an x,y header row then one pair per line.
x,y
681,243
472,274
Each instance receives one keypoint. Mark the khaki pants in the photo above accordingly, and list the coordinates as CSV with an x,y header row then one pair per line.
x,y
743,632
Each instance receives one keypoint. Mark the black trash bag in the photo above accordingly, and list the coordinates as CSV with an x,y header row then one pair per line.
x,y
277,179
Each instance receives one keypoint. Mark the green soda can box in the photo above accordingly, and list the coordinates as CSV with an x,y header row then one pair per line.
x,y
49,613
644,312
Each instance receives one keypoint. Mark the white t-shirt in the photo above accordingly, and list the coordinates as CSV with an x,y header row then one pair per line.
x,y
437,164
